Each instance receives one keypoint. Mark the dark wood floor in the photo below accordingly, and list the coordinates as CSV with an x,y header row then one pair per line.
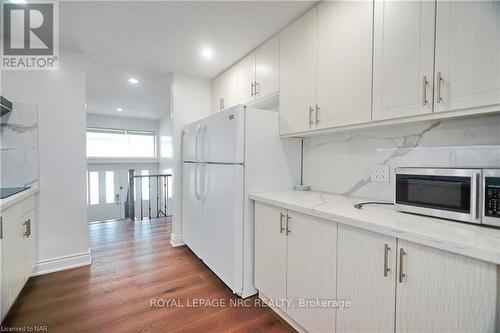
x,y
133,262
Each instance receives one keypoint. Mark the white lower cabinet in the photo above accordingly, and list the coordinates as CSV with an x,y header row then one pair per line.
x,y
270,252
438,291
392,285
18,251
295,261
366,277
311,271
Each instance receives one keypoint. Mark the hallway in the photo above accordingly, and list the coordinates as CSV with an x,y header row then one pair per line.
x,y
133,263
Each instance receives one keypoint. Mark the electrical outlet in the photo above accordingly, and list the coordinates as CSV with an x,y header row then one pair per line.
x,y
380,173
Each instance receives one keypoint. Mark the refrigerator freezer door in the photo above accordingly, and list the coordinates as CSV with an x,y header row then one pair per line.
x,y
191,210
223,135
223,222
190,140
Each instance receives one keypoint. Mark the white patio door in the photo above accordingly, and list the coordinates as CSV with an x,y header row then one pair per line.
x,y
105,199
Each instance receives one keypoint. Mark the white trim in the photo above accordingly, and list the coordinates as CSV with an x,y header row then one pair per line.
x,y
176,240
62,263
122,160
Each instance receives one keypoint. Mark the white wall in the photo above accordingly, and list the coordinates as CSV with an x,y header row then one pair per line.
x,y
60,95
191,101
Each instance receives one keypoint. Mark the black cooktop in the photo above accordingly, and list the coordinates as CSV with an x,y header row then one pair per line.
x,y
6,192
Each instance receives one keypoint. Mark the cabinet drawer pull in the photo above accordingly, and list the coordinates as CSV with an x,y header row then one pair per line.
x,y
438,87
386,259
288,218
424,91
317,114
402,275
311,122
27,224
281,223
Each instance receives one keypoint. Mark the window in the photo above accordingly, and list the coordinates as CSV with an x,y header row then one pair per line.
x,y
145,185
166,150
110,187
94,187
120,143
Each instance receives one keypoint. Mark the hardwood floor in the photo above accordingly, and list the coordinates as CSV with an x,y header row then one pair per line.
x,y
133,264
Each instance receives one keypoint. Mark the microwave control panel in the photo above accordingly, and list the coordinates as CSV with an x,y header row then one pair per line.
x,y
492,196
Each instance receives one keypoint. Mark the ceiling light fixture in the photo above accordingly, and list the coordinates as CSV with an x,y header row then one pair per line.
x,y
21,2
133,80
119,109
207,53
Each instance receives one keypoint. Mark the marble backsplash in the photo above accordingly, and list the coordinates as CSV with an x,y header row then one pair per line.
x,y
343,162
19,146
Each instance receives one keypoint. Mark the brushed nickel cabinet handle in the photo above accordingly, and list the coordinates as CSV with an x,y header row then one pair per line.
x,y
252,86
1,227
256,86
402,275
288,218
221,103
386,259
27,231
424,91
311,122
281,223
438,87
317,114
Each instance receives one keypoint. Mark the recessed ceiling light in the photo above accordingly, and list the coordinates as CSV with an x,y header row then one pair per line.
x,y
18,1
119,109
133,80
207,53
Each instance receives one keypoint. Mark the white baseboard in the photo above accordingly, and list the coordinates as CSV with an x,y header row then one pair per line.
x,y
176,240
62,263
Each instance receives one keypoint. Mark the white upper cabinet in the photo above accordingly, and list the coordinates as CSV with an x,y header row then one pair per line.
x,y
467,55
403,63
267,68
344,72
225,90
246,79
298,74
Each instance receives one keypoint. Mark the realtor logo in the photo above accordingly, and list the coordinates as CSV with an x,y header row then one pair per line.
x,y
29,36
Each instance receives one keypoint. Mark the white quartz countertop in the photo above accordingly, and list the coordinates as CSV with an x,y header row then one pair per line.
x,y
12,200
470,240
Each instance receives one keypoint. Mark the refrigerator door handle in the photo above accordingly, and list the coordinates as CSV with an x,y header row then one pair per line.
x,y
196,143
196,194
204,183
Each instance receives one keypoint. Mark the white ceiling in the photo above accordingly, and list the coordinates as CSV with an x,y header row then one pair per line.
x,y
149,40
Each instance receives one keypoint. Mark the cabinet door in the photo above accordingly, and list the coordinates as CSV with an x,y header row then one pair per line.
x,y
344,62
467,54
217,88
267,67
29,244
366,276
246,79
444,292
298,74
403,58
311,270
270,252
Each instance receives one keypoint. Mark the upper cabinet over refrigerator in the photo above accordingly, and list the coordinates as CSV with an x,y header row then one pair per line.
x,y
403,58
467,55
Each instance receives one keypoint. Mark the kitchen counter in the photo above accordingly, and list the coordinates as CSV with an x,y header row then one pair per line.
x,y
12,200
469,240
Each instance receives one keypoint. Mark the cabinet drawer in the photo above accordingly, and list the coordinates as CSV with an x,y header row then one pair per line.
x,y
20,209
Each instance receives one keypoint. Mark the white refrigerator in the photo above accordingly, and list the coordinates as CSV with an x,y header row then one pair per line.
x,y
226,156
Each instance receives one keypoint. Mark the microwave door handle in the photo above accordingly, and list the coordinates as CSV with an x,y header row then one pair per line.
x,y
477,191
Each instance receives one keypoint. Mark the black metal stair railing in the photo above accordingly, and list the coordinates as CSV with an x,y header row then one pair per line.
x,y
160,188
